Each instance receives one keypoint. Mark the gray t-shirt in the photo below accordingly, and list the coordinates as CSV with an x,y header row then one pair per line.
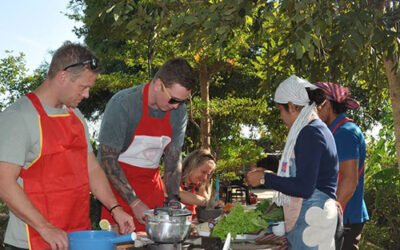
x,y
122,116
20,144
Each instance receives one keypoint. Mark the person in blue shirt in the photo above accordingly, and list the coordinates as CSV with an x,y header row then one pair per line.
x,y
351,146
308,170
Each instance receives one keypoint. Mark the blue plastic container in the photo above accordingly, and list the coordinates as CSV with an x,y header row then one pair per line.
x,y
97,240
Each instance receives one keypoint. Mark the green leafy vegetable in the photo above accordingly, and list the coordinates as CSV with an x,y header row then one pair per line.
x,y
274,213
238,221
263,206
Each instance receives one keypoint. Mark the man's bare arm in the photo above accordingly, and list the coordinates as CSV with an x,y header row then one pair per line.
x,y
348,181
115,174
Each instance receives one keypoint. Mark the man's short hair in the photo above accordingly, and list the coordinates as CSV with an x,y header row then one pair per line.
x,y
68,54
177,70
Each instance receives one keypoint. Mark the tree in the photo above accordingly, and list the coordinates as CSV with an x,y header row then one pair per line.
x,y
212,34
12,73
342,41
15,82
355,43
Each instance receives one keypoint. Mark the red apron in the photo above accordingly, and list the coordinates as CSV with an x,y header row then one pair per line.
x,y
140,162
190,207
57,182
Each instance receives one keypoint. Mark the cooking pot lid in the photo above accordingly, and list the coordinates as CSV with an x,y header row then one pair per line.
x,y
169,211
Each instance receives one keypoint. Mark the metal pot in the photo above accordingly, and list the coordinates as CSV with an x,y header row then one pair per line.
x,y
168,225
97,239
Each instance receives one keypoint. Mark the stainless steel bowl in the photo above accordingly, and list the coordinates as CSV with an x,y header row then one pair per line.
x,y
167,225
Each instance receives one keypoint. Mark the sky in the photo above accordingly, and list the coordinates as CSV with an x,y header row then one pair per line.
x,y
34,27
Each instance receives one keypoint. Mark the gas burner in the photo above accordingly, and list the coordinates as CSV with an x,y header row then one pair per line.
x,y
176,246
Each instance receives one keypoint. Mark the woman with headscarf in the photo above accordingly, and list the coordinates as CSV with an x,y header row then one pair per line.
x,y
351,147
308,169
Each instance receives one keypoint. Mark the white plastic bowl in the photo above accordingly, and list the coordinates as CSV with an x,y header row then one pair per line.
x,y
279,230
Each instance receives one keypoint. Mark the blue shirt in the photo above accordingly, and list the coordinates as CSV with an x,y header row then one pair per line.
x,y
351,146
316,164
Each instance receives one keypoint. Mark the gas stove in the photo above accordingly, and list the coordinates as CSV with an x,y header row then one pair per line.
x,y
176,246
198,243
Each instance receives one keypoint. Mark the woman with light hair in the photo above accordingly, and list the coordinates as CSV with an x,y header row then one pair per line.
x,y
308,170
195,189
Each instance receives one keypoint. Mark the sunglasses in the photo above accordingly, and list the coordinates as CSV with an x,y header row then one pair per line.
x,y
171,100
93,64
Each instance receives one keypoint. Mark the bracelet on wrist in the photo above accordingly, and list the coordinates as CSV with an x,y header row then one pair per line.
x,y
135,202
113,207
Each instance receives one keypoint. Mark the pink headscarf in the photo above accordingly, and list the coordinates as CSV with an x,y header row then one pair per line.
x,y
338,93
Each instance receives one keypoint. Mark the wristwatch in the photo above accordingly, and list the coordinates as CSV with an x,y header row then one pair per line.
x,y
262,180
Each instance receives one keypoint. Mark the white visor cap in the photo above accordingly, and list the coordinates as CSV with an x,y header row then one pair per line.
x,y
293,90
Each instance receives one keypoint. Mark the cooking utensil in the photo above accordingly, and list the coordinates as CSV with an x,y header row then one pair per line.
x,y
168,225
207,214
97,239
227,244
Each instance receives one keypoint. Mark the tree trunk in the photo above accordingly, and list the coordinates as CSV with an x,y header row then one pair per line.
x,y
394,88
205,121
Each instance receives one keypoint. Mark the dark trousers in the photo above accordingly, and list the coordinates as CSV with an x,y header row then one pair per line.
x,y
339,234
352,236
9,247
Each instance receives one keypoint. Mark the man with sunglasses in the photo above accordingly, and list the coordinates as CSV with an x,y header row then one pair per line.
x,y
140,125
47,167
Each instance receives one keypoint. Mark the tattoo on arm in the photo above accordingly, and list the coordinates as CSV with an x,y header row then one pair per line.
x,y
115,174
173,171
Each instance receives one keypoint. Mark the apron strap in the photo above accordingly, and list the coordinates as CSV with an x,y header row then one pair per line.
x,y
145,102
37,104
344,120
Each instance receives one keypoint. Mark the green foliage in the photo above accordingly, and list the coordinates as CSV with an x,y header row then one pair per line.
x,y
383,197
330,41
213,35
14,81
12,74
234,153
382,188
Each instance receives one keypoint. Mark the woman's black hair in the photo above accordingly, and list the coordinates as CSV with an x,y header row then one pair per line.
x,y
338,108
316,95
